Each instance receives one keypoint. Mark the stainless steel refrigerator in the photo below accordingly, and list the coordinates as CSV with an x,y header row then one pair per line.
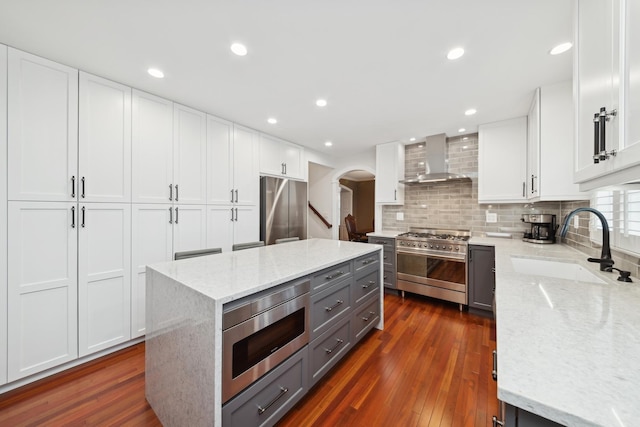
x,y
283,209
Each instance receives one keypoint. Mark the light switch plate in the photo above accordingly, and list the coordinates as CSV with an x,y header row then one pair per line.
x,y
576,221
399,216
492,217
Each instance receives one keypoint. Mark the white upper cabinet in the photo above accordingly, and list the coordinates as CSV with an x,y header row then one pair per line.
x,y
104,276
533,147
42,129
152,149
219,161
246,178
502,161
3,213
104,140
606,59
389,171
190,155
280,158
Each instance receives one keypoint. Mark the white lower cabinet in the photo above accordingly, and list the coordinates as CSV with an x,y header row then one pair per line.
x,y
157,232
3,214
230,224
42,286
104,276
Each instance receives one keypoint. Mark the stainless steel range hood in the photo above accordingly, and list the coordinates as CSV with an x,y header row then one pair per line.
x,y
435,164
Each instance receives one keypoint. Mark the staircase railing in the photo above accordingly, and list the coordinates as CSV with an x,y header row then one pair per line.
x,y
315,211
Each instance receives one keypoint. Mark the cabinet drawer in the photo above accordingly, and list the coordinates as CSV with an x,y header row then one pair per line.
x,y
365,319
328,306
330,276
367,261
387,243
389,257
365,286
328,349
268,399
389,276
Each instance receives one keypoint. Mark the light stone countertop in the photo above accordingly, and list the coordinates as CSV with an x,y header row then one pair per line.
x,y
568,351
232,275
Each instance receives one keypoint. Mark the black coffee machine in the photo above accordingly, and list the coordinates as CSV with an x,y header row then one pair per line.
x,y
543,228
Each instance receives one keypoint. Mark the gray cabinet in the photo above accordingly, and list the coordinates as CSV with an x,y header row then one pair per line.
x,y
481,277
328,306
518,417
389,259
328,349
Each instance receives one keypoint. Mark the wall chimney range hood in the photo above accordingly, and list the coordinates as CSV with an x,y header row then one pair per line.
x,y
435,164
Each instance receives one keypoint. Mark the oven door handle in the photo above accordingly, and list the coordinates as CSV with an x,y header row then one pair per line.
x,y
453,257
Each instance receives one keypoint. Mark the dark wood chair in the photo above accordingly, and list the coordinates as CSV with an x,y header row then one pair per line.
x,y
352,230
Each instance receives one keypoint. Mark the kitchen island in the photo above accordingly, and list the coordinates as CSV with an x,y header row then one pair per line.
x,y
185,302
567,350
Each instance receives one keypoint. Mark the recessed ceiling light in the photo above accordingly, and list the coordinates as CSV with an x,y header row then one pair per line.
x,y
328,144
461,130
470,112
561,48
412,139
272,121
158,74
239,49
321,102
455,53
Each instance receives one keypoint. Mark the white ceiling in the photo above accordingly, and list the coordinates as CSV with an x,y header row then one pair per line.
x,y
381,64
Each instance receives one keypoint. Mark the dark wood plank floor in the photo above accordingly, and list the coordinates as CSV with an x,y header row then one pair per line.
x,y
431,366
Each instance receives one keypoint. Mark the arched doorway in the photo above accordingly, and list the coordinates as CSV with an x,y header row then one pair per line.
x,y
355,190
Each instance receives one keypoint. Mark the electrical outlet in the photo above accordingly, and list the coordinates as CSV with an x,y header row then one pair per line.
x,y
399,216
491,217
576,221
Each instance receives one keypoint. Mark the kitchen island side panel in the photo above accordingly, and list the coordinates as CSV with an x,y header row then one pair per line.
x,y
182,374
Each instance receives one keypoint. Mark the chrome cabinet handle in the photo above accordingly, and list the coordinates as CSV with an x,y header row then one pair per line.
x,y
231,214
338,302
236,196
82,224
368,261
82,180
170,191
497,423
73,217
176,192
596,138
285,168
532,191
494,372
395,194
333,276
170,216
331,350
372,313
524,191
236,214
371,282
73,186
176,210
283,391
232,195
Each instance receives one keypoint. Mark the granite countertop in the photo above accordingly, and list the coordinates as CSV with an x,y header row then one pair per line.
x,y
231,275
567,350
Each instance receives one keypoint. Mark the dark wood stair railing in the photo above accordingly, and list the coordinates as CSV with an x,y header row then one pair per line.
x,y
315,211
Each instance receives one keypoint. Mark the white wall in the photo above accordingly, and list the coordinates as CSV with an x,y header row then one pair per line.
x,y
321,198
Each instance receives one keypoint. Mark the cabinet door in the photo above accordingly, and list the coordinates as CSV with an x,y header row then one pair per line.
x,y
189,228
104,140
533,148
246,227
502,161
271,158
151,242
389,170
42,294
104,276
152,148
42,129
246,178
220,227
190,155
294,165
481,276
219,161
3,213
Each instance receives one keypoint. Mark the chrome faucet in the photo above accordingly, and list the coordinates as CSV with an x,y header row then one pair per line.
x,y
606,263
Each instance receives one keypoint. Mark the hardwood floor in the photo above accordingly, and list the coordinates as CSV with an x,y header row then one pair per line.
x,y
431,366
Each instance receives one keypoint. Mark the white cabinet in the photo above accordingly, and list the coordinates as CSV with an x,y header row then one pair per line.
x,y
104,275
42,286
190,155
533,147
389,171
246,178
104,164
605,63
280,158
219,161
42,129
3,213
189,227
227,225
152,149
502,161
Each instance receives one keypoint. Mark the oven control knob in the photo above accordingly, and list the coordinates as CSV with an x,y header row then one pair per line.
x,y
431,246
457,248
450,248
437,246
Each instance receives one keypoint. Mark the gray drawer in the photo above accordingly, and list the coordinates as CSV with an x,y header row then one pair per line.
x,y
269,394
389,257
367,261
328,349
328,306
365,286
389,276
384,241
329,276
366,318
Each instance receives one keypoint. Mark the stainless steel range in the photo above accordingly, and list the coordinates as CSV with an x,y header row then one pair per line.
x,y
433,263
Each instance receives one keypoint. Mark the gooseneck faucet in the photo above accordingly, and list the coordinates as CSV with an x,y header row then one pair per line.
x,y
606,263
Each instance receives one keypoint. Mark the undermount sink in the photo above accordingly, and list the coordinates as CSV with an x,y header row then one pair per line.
x,y
566,270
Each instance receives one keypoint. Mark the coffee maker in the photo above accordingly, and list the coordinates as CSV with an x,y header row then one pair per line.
x,y
543,228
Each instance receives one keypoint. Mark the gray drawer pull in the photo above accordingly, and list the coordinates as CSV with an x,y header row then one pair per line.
x,y
338,343
338,302
371,282
283,391
372,313
333,276
385,277
494,372
368,261
497,423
